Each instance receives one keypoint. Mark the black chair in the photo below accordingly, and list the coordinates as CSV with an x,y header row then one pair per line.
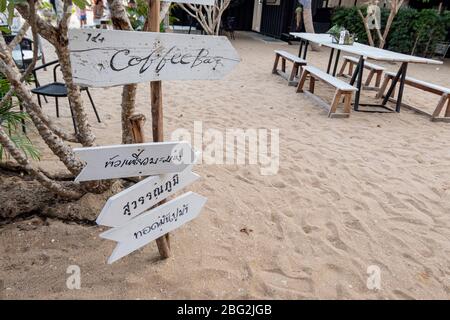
x,y
58,90
25,50
229,25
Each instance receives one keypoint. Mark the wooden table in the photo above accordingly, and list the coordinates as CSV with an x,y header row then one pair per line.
x,y
364,52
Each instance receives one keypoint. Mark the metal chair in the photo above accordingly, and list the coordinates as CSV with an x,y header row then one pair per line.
x,y
58,90
442,49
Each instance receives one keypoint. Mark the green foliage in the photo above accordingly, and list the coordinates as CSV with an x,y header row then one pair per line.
x,y
401,36
11,122
424,28
82,4
138,14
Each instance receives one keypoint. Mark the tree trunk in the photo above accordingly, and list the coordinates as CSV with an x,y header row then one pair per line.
x,y
308,21
64,153
53,186
366,27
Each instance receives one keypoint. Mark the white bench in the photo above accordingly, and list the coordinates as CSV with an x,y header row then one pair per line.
x,y
296,68
342,89
374,70
443,92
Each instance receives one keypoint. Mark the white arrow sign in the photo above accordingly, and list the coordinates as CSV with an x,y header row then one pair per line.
x,y
130,160
202,2
127,204
153,224
103,58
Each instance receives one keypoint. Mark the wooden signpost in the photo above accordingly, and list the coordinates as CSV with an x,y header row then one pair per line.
x,y
131,160
104,58
153,224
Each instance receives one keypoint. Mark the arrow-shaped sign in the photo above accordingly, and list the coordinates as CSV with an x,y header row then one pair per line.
x,y
127,204
103,58
153,224
130,160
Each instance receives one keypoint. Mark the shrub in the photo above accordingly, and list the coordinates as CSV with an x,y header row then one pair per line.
x,y
412,31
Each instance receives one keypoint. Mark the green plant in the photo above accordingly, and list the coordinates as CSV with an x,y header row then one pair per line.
x,y
412,31
11,122
401,38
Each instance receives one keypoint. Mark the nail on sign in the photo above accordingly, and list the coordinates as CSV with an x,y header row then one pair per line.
x,y
153,224
127,204
132,160
104,58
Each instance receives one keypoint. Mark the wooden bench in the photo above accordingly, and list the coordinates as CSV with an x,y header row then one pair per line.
x,y
342,89
296,68
375,70
443,92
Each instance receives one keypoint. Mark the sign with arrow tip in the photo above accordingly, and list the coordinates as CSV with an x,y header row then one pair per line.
x,y
133,160
127,204
153,224
104,58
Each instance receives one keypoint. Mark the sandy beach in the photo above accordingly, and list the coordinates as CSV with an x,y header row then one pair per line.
x,y
370,190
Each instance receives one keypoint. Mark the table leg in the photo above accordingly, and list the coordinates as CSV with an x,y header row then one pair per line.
x,y
359,69
300,48
393,84
336,63
404,67
330,60
306,49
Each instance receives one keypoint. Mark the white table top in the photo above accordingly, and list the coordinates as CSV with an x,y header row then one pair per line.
x,y
360,49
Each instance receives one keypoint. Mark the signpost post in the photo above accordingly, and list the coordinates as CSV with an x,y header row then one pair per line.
x,y
156,100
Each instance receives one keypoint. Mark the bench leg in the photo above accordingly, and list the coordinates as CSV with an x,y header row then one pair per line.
x,y
350,69
344,64
347,102
447,112
275,64
440,105
283,64
378,78
302,81
383,87
312,82
294,72
335,102
369,78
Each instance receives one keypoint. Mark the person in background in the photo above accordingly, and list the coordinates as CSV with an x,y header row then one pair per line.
x,y
98,11
132,4
82,16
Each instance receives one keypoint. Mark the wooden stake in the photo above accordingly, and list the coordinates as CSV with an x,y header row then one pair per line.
x,y
157,112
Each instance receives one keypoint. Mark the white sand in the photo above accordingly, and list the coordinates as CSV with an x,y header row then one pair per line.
x,y
373,189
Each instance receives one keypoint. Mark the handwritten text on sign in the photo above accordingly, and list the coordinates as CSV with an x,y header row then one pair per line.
x,y
131,160
127,204
103,58
154,224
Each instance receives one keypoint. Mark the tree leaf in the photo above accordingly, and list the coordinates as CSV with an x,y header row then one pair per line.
x,y
2,5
